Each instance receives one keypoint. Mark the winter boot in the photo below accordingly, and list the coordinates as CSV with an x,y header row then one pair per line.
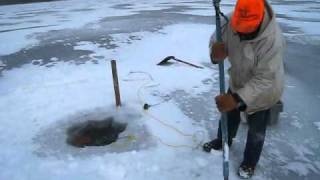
x,y
215,144
245,172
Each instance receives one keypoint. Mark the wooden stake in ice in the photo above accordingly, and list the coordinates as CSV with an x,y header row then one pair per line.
x,y
115,82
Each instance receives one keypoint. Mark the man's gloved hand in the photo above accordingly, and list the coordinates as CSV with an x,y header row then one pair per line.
x,y
218,52
226,102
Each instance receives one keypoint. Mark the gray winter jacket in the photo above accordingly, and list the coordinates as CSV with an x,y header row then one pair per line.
x,y
256,72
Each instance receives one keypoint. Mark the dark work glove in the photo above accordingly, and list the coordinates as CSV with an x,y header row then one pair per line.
x,y
226,102
218,52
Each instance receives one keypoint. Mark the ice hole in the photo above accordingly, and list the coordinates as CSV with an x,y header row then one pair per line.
x,y
95,132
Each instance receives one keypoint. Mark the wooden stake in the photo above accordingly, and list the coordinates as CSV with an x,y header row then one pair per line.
x,y
115,82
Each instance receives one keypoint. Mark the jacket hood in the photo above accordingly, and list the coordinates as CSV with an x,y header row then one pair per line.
x,y
268,24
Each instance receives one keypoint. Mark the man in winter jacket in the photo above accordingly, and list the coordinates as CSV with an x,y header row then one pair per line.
x,y
253,43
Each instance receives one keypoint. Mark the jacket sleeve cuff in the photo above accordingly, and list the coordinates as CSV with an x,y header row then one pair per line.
x,y
247,95
242,106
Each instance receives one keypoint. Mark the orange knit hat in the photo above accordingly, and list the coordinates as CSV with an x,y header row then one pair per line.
x,y
247,16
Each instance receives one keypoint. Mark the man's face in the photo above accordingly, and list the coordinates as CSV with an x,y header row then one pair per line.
x,y
249,36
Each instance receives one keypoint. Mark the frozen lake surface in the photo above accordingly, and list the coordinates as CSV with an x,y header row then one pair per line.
x,y
55,72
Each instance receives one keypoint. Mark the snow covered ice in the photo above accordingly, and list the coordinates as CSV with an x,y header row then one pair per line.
x,y
55,71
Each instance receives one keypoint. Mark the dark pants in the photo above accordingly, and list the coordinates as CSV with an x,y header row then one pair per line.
x,y
257,123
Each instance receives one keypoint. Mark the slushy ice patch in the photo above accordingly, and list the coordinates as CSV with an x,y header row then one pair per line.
x,y
95,133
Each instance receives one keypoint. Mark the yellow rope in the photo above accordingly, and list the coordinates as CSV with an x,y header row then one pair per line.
x,y
173,145
151,116
167,125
